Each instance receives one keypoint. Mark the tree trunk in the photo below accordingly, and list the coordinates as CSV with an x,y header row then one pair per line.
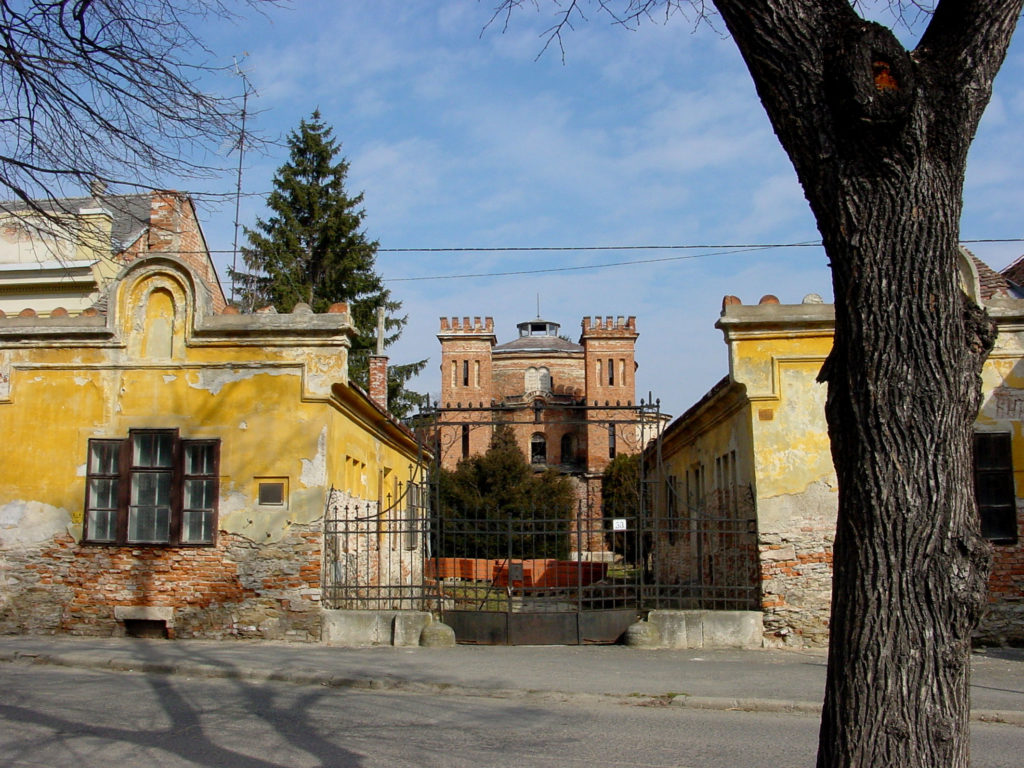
x,y
910,566
879,139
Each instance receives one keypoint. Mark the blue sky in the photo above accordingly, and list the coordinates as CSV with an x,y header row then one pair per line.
x,y
464,138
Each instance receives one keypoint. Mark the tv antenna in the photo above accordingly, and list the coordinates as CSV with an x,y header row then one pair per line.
x,y
246,90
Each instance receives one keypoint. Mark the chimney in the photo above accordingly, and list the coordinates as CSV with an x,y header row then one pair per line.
x,y
379,380
379,367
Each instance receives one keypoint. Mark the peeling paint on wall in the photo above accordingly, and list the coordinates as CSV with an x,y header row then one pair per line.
x,y
214,379
1009,403
25,523
314,471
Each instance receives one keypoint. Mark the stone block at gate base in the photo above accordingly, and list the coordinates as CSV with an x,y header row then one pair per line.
x,y
359,628
708,629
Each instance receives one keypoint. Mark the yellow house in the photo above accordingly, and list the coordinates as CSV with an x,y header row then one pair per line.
x,y
169,469
748,472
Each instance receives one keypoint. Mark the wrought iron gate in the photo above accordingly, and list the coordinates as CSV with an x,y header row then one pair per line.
x,y
522,581
524,577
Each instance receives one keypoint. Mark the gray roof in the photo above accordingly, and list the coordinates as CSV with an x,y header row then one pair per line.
x,y
538,344
130,213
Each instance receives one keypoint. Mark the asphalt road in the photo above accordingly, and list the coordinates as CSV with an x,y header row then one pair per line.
x,y
66,717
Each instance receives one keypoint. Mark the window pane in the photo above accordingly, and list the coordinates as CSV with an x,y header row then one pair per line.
x,y
151,488
103,493
199,494
152,449
196,526
999,523
993,488
148,524
199,459
992,450
102,525
103,457
271,493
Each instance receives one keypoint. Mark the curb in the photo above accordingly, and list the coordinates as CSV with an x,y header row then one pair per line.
x,y
320,678
748,705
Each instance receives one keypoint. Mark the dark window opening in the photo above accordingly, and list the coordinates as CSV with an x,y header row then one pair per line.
x,y
465,441
993,486
611,372
611,441
152,488
465,373
538,449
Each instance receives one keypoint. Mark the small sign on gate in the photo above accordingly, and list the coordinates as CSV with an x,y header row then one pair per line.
x,y
619,524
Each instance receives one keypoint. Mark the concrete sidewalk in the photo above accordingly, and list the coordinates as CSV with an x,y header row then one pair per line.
x,y
762,680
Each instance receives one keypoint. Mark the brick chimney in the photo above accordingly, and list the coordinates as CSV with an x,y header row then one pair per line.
x,y
379,366
379,380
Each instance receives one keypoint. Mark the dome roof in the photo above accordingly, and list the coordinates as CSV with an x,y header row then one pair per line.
x,y
538,335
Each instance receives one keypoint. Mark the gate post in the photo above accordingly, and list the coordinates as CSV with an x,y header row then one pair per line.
x,y
508,589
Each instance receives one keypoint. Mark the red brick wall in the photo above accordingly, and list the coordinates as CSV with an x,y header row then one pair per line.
x,y
566,369
173,229
237,588
1003,620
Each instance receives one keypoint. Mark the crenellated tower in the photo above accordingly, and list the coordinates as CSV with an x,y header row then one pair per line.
x,y
466,384
609,352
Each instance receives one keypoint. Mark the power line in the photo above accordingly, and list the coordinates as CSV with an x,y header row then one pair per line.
x,y
583,266
714,250
750,246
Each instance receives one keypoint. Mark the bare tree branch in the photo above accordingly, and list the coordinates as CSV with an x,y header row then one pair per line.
x,y
108,90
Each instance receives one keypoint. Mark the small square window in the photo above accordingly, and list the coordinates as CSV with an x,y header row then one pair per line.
x,y
271,493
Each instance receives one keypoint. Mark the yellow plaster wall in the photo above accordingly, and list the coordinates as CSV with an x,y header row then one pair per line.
x,y
1002,378
779,368
723,427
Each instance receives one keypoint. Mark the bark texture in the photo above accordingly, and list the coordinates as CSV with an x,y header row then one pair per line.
x,y
879,138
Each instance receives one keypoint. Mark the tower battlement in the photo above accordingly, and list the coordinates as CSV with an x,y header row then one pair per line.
x,y
463,325
609,326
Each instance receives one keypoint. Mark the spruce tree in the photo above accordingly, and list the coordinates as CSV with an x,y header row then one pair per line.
x,y
313,249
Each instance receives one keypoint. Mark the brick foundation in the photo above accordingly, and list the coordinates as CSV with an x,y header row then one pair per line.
x,y
796,581
1003,620
235,589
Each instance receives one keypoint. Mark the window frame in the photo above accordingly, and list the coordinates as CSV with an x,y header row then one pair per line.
x,y
538,449
127,470
997,518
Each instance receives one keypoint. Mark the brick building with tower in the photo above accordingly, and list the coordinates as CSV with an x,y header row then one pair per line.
x,y
572,406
